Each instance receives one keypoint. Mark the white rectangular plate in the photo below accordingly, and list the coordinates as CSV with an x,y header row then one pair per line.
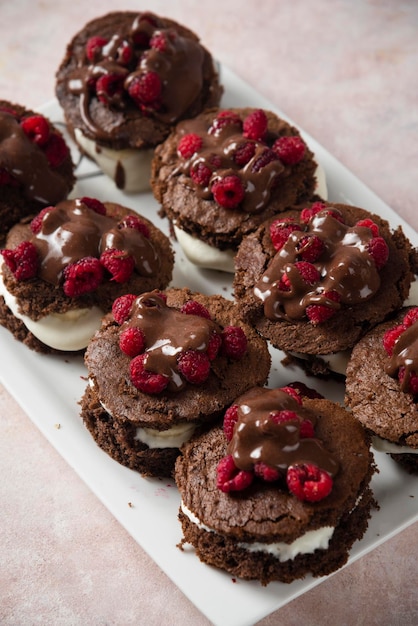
x,y
49,388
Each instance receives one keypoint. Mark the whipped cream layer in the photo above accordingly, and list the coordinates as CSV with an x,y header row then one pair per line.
x,y
203,255
130,169
70,331
305,544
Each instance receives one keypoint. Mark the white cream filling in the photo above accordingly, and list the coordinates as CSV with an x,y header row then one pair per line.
x,y
306,544
203,255
70,331
135,164
383,445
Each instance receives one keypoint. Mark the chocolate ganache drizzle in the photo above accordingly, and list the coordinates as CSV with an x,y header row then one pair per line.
x,y
345,268
129,56
258,439
405,355
26,162
71,231
168,333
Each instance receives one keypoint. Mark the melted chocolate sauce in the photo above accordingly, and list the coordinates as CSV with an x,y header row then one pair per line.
x,y
405,355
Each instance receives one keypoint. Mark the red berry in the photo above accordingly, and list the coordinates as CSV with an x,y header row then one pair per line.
x,y
145,88
292,392
228,192
94,47
56,150
125,53
36,127
290,150
308,482
319,313
230,419
22,261
108,86
391,336
303,391
307,214
266,472
244,153
307,430
193,307
230,478
266,157
307,271
119,263
412,386
189,144
83,276
121,307
160,40
147,382
215,343
234,342
255,125
36,223
132,221
410,317
379,251
368,223
194,366
200,174
94,205
224,119
283,416
280,230
132,341
310,248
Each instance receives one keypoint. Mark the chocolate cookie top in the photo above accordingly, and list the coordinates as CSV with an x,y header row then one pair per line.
x,y
382,379
128,77
317,279
174,357
266,509
82,253
222,174
36,168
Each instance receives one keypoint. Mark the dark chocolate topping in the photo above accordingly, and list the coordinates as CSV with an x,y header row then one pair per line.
x,y
405,355
258,439
345,268
28,164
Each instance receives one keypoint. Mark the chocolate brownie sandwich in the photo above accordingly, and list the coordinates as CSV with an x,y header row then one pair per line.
x,y
162,367
282,490
36,168
125,80
220,175
314,280
382,387
61,270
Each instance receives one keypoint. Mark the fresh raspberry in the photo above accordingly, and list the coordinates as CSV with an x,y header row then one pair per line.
x,y
146,88
121,307
230,478
379,251
193,307
307,271
224,119
306,430
147,382
200,174
22,261
108,86
391,336
283,416
189,144
124,53
368,223
234,342
94,47
310,248
194,366
266,157
280,230
132,221
410,317
308,482
56,150
161,40
119,263
319,313
94,205
228,191
244,153
307,214
36,127
292,392
132,341
7,179
215,343
303,391
141,35
36,223
266,472
255,125
412,381
83,276
290,150
230,419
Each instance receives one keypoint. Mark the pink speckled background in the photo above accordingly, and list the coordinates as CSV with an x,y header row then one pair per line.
x,y
346,72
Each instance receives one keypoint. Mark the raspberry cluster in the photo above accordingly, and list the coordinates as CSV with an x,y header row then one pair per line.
x,y
225,170
41,133
305,480
408,377
311,251
85,274
192,365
